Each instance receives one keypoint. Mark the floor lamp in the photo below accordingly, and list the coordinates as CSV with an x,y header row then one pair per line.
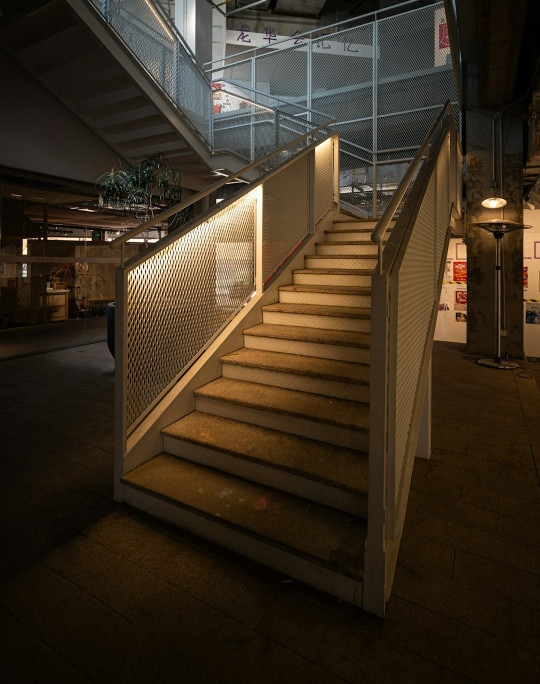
x,y
498,227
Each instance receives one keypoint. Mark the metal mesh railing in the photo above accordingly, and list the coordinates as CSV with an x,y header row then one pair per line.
x,y
176,296
383,79
252,128
163,53
406,285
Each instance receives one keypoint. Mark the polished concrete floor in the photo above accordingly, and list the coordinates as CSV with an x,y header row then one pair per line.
x,y
93,591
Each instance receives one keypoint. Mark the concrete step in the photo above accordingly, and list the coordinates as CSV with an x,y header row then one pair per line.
x,y
340,379
314,316
329,296
353,235
327,474
326,419
349,247
366,261
341,345
333,277
310,542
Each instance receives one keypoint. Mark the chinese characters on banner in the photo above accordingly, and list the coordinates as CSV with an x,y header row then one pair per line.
x,y
460,271
322,43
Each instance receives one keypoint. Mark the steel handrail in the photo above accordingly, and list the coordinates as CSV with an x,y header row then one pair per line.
x,y
383,223
374,13
273,97
122,239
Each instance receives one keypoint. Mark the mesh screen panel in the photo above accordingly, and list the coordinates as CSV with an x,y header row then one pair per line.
x,y
179,298
286,213
283,73
417,294
324,179
153,44
342,76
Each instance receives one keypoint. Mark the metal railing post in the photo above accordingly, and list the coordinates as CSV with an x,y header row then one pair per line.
x,y
309,76
374,86
259,240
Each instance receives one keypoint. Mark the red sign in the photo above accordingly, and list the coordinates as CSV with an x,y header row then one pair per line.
x,y
460,271
444,41
525,277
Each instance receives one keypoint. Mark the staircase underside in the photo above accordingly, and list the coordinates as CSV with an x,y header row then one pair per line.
x,y
273,462
112,94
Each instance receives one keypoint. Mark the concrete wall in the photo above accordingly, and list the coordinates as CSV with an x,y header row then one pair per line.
x,y
39,133
481,244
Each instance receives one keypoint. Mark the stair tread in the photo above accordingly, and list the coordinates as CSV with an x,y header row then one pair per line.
x,y
305,334
355,243
325,463
344,413
329,369
327,536
328,289
319,310
342,256
334,271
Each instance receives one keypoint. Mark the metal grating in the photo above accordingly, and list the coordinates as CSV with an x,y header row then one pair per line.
x,y
324,179
384,107
286,213
180,297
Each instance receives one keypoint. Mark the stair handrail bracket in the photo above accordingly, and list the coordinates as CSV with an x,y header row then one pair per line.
x,y
405,295
175,298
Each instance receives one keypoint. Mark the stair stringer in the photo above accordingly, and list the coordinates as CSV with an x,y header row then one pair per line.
x,y
146,441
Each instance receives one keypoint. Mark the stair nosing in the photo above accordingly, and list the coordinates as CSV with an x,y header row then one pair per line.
x,y
262,406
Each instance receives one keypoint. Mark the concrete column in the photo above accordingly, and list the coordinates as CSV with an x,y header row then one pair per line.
x,y
481,244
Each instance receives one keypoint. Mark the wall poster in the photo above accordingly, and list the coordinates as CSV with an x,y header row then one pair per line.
x,y
460,271
532,313
460,302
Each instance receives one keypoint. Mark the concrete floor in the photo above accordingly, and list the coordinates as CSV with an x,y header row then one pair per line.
x,y
93,591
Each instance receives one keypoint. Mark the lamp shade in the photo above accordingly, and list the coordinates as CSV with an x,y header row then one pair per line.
x,y
494,202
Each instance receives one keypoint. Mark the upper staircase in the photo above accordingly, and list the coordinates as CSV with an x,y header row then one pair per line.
x,y
66,45
273,461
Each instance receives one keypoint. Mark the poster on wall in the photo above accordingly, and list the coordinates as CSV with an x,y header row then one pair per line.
x,y
461,251
448,270
460,302
525,277
461,317
460,271
532,313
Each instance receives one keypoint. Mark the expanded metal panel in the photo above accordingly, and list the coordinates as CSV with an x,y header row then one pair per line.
x,y
194,93
148,38
179,298
414,306
342,74
286,213
283,73
324,179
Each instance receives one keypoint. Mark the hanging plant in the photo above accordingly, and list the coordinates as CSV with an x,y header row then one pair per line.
x,y
143,190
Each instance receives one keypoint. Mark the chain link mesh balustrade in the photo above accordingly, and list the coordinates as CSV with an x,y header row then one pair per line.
x,y
178,299
160,49
253,128
178,294
383,80
286,213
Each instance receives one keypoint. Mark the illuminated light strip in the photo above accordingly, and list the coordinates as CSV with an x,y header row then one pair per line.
x,y
164,26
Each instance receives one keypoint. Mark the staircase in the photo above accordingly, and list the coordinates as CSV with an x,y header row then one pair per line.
x,y
273,463
75,55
